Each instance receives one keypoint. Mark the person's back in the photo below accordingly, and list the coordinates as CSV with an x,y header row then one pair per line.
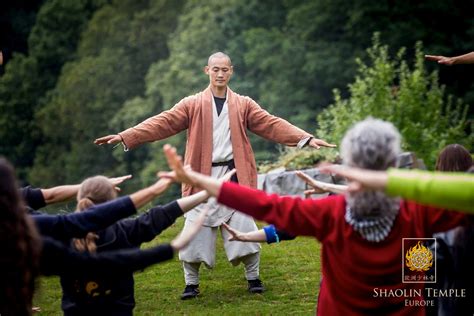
x,y
95,294
90,293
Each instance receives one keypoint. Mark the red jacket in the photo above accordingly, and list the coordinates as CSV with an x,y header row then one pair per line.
x,y
352,266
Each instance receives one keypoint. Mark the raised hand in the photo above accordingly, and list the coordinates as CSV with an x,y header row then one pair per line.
x,y
175,162
318,143
228,175
185,237
109,139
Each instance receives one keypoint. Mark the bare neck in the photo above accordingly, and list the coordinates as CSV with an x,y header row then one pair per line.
x,y
219,92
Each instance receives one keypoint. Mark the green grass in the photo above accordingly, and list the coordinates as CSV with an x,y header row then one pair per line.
x,y
290,271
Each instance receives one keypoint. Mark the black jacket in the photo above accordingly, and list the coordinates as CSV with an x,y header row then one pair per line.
x,y
95,293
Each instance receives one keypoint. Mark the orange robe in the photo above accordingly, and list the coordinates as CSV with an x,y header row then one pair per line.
x,y
194,113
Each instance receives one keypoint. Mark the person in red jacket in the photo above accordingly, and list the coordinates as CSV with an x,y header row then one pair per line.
x,y
361,233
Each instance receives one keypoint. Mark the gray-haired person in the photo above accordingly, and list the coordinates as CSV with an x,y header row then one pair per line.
x,y
361,233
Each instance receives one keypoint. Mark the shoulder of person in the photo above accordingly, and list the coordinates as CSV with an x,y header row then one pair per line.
x,y
244,99
191,100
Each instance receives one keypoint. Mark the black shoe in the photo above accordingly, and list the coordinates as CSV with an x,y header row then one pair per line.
x,y
256,286
190,291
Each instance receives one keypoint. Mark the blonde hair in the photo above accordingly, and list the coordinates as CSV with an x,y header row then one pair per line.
x,y
94,190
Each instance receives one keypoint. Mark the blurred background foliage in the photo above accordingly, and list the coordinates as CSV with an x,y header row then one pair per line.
x,y
75,70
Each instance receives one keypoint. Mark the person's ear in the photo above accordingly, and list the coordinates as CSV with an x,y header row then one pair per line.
x,y
206,70
231,70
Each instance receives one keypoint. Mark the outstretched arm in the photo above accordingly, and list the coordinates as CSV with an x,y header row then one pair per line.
x,y
66,192
150,224
456,60
144,196
294,215
319,186
161,126
441,189
279,130
97,217
57,259
269,234
253,236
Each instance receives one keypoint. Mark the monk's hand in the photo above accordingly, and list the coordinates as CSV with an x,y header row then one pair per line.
x,y
318,143
109,139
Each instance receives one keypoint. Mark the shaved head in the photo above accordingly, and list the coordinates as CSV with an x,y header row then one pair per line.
x,y
218,55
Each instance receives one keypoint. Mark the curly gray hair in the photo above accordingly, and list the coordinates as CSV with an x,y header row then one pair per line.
x,y
371,144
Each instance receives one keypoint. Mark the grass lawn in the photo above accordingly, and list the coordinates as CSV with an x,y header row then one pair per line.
x,y
290,271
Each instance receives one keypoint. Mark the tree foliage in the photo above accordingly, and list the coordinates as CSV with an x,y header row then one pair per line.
x,y
95,67
409,97
114,54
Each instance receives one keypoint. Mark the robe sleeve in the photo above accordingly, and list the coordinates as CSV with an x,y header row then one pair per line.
x,y
272,127
161,126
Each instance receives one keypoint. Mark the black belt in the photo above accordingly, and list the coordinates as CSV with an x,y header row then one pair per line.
x,y
231,165
223,163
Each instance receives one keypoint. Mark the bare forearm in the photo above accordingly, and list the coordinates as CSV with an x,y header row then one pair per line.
x,y
144,196
330,187
255,236
189,202
60,193
464,59
211,185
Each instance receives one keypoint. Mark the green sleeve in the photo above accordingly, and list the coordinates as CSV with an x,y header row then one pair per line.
x,y
442,189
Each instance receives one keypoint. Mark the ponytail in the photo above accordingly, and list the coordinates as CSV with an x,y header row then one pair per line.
x,y
88,243
93,191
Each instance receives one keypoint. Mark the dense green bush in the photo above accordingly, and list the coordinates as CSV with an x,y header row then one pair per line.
x,y
388,88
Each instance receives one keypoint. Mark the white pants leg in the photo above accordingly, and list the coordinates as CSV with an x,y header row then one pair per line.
x,y
246,252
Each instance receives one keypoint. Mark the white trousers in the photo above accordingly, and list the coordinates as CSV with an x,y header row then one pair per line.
x,y
203,249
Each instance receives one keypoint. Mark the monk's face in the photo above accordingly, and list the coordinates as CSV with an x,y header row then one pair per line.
x,y
219,71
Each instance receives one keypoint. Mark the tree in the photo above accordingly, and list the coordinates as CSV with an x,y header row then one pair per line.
x,y
116,49
28,78
411,99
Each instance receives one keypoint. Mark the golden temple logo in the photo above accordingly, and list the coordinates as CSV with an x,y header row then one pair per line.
x,y
419,258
